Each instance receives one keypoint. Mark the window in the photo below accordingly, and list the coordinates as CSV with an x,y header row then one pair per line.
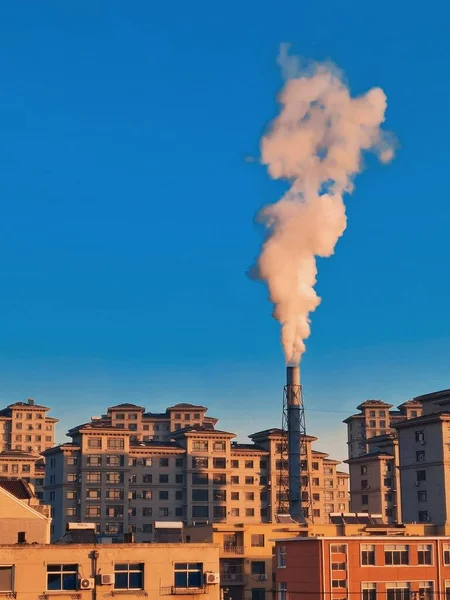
x,y
163,462
71,511
235,464
200,446
164,478
188,575
147,478
372,424
200,511
147,494
338,548
316,497
364,499
339,583
94,442
219,447
367,554
163,495
363,469
199,462
93,477
71,460
316,512
114,477
219,512
258,593
382,424
420,437
93,510
249,464
147,511
71,477
421,475
263,464
163,512
364,484
235,480
93,493
328,496
338,566
249,480
426,590
234,512
114,460
129,576
116,444
219,463
372,413
396,555
263,480
249,512
199,478
423,516
62,577
179,495
6,578
219,495
258,567
235,495
282,591
397,591
369,591
94,460
219,479
257,540
249,496
421,496
387,482
179,462
424,554
178,478
315,466
281,556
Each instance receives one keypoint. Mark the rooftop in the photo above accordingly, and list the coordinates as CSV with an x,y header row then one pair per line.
x,y
17,487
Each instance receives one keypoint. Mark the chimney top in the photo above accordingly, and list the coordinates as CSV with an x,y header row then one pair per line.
x,y
31,401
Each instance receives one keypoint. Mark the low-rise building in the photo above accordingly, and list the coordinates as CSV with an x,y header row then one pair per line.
x,y
22,517
86,571
370,564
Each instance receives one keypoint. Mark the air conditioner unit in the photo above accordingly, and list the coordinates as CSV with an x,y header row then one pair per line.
x,y
107,579
263,577
86,583
212,578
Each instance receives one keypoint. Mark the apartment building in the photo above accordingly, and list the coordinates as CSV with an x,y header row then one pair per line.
x,y
25,431
424,460
374,419
86,571
375,479
114,476
370,566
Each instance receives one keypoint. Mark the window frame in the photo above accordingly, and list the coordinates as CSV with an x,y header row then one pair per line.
x,y
11,569
129,571
74,571
179,568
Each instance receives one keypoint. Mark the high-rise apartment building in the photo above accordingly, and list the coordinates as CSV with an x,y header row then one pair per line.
x,y
424,461
375,479
128,468
25,431
375,418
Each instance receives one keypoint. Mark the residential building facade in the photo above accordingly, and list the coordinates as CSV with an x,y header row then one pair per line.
x,y
375,479
371,567
113,475
22,517
374,419
83,571
25,431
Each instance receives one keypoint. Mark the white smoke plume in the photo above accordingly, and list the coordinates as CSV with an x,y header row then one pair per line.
x,y
315,143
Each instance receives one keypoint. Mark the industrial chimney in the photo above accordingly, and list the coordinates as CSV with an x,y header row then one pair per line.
x,y
294,402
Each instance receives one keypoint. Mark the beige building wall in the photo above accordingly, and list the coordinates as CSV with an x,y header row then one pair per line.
x,y
37,570
20,516
374,419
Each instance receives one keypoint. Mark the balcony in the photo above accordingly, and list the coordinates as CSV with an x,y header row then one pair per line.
x,y
232,578
234,550
174,591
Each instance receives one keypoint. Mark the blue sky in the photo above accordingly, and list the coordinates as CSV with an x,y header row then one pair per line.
x,y
126,210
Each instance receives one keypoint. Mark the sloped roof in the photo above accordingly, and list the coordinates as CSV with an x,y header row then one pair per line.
x,y
186,405
126,406
17,487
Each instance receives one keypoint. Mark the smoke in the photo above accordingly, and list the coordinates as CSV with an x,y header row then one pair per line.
x,y
315,143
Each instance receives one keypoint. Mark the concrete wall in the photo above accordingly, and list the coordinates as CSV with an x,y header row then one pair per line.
x,y
30,567
16,516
